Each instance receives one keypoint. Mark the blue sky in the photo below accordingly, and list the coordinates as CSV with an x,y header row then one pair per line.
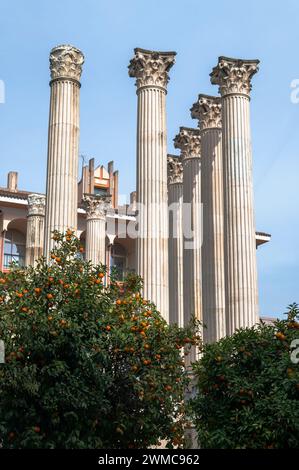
x,y
199,31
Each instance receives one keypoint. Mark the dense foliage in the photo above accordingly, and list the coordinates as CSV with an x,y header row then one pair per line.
x,y
87,366
248,388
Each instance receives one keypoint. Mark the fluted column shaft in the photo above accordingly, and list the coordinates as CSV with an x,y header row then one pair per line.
x,y
63,142
208,111
150,69
192,247
95,240
96,207
175,245
213,285
234,77
152,244
35,228
188,140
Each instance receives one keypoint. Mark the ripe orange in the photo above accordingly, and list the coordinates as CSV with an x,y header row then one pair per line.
x,y
118,302
147,346
50,318
108,328
49,296
36,429
37,290
280,336
53,256
101,275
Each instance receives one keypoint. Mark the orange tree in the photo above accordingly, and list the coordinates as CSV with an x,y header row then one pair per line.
x,y
87,366
248,388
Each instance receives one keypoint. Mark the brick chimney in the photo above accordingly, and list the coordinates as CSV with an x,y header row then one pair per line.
x,y
12,181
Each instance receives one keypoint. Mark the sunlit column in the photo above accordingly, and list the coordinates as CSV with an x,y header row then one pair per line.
x,y
234,79
63,141
151,72
208,112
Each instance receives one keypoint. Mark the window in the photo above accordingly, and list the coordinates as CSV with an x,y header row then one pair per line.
x,y
14,248
98,191
118,261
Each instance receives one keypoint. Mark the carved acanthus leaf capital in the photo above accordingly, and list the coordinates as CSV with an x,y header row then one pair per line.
x,y
66,62
174,169
207,110
36,204
234,75
96,206
189,142
151,68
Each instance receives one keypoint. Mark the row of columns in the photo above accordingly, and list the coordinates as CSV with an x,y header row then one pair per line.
x,y
217,260
224,295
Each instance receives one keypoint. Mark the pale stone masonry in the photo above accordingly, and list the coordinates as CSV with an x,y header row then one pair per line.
x,y
207,110
63,142
151,69
175,204
234,79
35,228
189,142
96,209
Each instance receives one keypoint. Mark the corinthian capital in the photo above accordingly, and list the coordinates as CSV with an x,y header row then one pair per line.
x,y
96,206
66,62
151,68
36,204
234,75
189,142
207,110
174,169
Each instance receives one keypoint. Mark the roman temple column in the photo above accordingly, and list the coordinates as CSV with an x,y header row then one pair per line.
x,y
234,79
208,112
175,245
63,142
151,72
35,228
96,209
188,141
